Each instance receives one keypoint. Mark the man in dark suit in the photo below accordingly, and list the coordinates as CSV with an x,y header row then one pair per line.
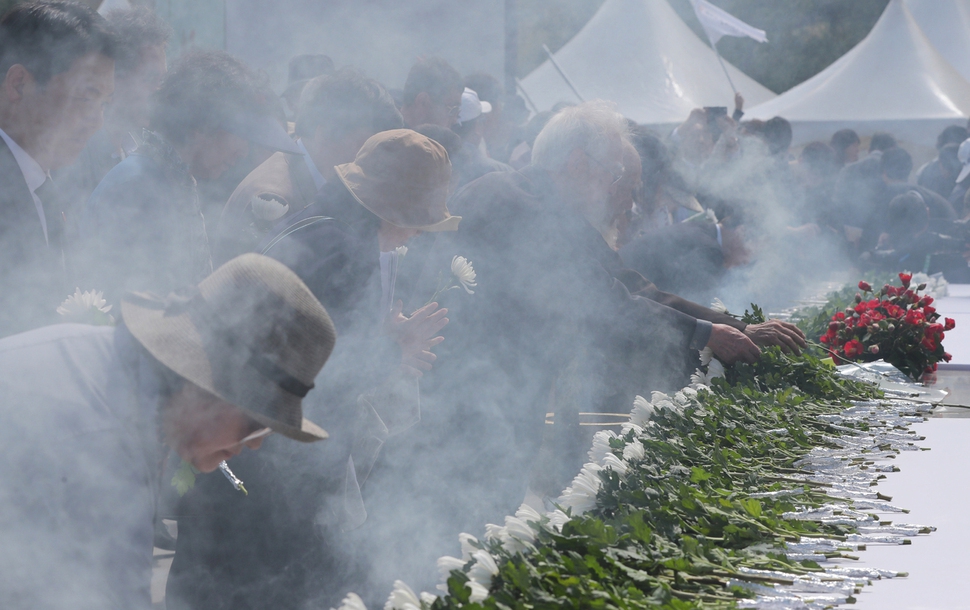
x,y
57,63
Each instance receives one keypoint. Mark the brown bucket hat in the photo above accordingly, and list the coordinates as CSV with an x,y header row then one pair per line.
x,y
251,333
402,177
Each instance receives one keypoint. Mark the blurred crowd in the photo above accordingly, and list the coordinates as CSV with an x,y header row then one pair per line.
x,y
491,277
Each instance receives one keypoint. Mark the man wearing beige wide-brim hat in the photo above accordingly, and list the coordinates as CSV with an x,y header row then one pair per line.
x,y
345,247
88,410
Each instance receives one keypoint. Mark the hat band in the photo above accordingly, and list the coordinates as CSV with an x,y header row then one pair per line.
x,y
191,300
287,382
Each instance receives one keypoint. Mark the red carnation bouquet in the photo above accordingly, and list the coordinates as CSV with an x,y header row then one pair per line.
x,y
895,324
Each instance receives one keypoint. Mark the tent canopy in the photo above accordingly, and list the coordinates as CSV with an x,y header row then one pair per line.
x,y
640,55
894,80
946,24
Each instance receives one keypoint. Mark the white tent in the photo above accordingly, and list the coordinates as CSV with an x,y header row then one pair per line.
x,y
947,24
640,55
894,80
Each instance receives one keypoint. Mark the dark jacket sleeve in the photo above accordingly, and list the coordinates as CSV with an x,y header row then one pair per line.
x,y
641,286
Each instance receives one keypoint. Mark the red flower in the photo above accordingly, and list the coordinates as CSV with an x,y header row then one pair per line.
x,y
914,317
934,330
834,327
876,316
839,316
929,343
864,286
853,348
824,339
950,324
861,307
947,356
911,296
905,278
895,311
865,320
929,310
925,301
873,349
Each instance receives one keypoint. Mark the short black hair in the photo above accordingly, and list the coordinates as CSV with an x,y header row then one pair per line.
x,y
434,76
843,139
486,86
950,158
777,133
819,157
201,92
882,141
654,156
136,29
896,163
448,139
344,102
47,37
954,134
907,215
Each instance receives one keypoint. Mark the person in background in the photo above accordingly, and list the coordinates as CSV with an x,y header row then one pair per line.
x,y
338,113
302,69
815,174
521,154
958,195
857,187
57,67
432,94
142,227
89,413
140,66
845,143
474,163
939,175
283,546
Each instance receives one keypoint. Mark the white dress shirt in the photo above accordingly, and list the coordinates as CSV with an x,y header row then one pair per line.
x,y
33,173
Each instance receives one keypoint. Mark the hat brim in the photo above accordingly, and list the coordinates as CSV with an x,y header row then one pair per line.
x,y
175,341
356,183
964,172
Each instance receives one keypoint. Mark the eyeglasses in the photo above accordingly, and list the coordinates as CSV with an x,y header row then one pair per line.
x,y
616,177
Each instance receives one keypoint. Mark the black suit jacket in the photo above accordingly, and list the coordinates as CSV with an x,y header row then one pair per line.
x,y
33,280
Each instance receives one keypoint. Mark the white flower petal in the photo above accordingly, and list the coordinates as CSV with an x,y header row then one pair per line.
x,y
402,598
81,303
479,592
642,411
719,306
527,513
581,495
601,446
706,355
633,451
463,271
615,464
467,548
495,533
557,519
428,598
483,569
446,564
401,251
352,602
715,368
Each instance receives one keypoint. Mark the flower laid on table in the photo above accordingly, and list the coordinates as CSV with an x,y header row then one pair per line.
x,y
895,324
86,308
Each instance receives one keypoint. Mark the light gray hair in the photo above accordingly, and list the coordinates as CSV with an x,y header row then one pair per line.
x,y
591,127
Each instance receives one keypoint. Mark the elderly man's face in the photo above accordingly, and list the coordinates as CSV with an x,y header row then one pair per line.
x,y
205,430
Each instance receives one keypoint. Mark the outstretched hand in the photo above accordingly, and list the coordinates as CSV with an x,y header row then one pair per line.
x,y
731,345
775,332
416,335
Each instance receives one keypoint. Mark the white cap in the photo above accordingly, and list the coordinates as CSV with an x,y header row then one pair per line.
x,y
472,107
963,154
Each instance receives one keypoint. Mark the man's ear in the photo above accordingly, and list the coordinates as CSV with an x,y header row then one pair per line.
x,y
15,82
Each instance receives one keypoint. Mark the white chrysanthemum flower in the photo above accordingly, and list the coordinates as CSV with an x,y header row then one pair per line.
x,y
484,568
662,401
557,519
402,598
689,393
519,532
637,429
467,542
528,514
642,411
352,602
446,564
715,368
268,209
428,598
581,495
634,451
706,355
718,306
615,464
496,533
463,271
401,251
479,592
81,303
699,378
601,446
